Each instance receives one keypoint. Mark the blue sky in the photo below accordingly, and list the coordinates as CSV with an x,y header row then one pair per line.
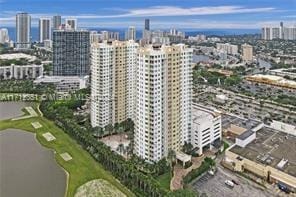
x,y
192,14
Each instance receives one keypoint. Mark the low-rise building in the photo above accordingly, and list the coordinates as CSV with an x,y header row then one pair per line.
x,y
272,80
21,71
206,128
284,72
64,83
269,155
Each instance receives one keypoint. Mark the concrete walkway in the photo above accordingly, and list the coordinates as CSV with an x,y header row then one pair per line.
x,y
180,172
31,112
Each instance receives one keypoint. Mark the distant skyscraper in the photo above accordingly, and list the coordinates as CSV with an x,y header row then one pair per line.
x,y
147,24
56,22
72,23
44,29
282,30
23,31
131,33
4,37
71,52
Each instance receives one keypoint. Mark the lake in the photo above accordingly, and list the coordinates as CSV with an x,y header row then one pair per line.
x,y
12,109
27,168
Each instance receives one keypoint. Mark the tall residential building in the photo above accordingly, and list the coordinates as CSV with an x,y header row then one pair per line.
x,y
72,23
131,33
44,29
23,31
71,52
112,83
280,32
247,53
4,37
147,24
162,113
56,22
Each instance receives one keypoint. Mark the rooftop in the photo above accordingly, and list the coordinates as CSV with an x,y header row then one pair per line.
x,y
272,148
11,56
228,120
200,114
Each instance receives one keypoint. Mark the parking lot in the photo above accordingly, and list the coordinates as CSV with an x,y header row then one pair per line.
x,y
214,186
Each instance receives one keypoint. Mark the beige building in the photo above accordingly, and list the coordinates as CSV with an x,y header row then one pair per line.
x,y
247,53
269,156
163,100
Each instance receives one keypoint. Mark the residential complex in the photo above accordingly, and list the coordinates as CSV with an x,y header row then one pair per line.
x,y
280,32
227,48
44,29
163,100
71,52
21,71
23,31
151,85
113,81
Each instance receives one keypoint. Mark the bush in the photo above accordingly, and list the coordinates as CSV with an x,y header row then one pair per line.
x,y
204,167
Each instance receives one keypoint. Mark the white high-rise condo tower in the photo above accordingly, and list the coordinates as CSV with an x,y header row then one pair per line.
x,y
23,31
131,33
56,22
112,83
44,29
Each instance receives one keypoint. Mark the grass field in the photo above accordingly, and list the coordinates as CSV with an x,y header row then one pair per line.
x,y
81,169
165,180
98,187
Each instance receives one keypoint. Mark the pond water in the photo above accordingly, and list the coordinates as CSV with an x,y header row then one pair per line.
x,y
27,168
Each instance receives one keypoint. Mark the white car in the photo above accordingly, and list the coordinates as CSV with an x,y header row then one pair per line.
x,y
229,183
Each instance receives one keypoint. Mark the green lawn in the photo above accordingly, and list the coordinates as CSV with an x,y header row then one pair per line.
x,y
165,180
82,168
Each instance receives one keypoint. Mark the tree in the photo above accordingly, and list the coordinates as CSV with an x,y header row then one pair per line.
x,y
171,157
109,129
187,148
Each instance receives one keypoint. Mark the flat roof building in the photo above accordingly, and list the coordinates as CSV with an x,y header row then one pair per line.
x,y
206,128
270,156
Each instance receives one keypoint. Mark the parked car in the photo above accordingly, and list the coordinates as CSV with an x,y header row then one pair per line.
x,y
229,183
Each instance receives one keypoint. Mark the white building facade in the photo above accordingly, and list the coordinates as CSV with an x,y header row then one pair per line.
x,y
112,82
206,128
21,71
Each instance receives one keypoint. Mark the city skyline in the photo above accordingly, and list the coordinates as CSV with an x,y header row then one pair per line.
x,y
165,14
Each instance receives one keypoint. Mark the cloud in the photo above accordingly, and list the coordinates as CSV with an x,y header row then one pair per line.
x,y
178,11
167,11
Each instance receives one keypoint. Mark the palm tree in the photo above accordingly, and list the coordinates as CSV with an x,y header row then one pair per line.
x,y
120,148
171,157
